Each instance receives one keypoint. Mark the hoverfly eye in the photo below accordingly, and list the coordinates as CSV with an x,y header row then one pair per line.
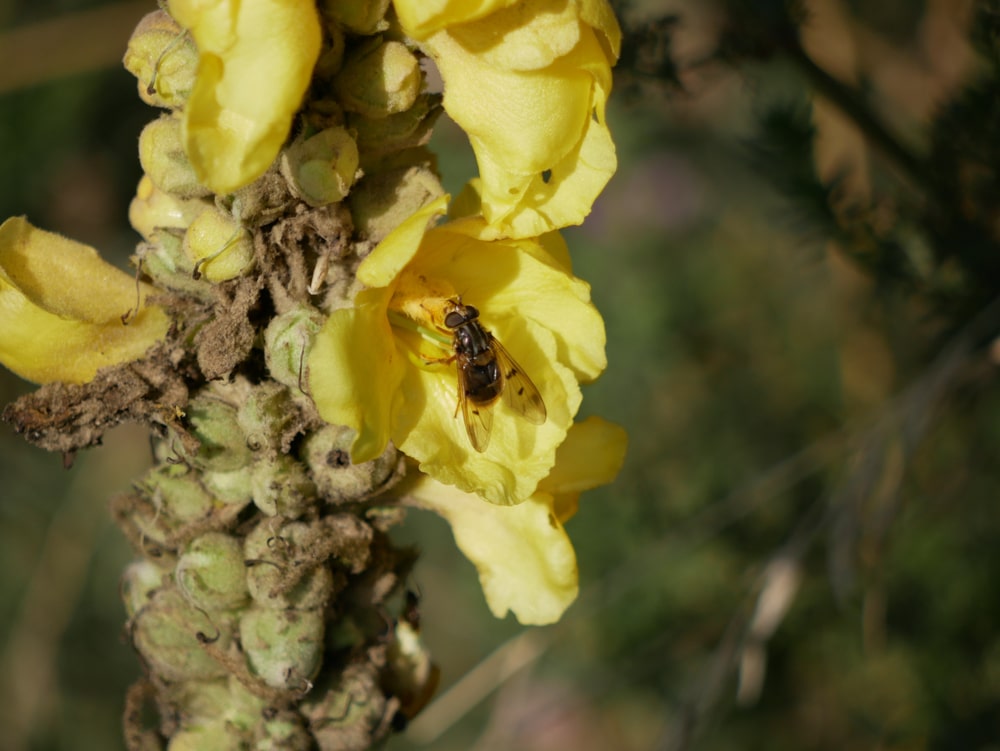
x,y
471,312
454,319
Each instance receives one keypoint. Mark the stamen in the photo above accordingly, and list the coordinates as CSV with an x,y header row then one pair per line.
x,y
432,336
435,338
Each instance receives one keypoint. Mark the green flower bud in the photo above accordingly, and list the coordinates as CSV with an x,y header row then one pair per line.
x,y
216,735
321,169
162,155
211,573
277,556
140,582
265,415
172,506
164,60
345,709
287,341
218,246
359,16
176,494
379,79
202,702
164,259
379,138
286,732
327,454
223,444
152,209
230,488
281,485
166,633
283,647
382,201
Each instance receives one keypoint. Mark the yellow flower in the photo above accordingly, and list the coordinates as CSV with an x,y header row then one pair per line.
x,y
255,62
528,82
524,557
62,308
378,366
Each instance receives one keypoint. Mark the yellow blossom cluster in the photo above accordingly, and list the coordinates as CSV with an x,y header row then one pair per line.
x,y
398,359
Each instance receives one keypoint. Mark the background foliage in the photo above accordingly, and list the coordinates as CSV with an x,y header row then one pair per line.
x,y
798,265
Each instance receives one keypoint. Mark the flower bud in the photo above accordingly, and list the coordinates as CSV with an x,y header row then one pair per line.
x,y
202,702
162,155
327,454
286,732
275,551
231,488
346,708
379,79
381,202
287,341
223,444
164,59
211,573
166,633
140,582
283,647
164,259
219,248
217,735
176,494
321,169
379,138
264,415
152,209
358,16
280,486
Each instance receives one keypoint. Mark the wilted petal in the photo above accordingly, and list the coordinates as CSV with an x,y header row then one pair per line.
x,y
62,308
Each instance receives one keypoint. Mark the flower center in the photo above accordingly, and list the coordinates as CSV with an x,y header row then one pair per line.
x,y
426,347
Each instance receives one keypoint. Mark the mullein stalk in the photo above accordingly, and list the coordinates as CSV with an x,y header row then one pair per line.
x,y
264,603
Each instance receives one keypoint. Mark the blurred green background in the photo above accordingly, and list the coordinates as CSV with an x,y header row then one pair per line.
x,y
800,550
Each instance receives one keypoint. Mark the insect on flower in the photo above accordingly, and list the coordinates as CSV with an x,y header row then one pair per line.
x,y
485,372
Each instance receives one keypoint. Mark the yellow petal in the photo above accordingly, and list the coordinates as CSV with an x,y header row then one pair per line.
x,y
398,248
255,64
599,15
430,429
524,557
529,85
592,455
544,292
525,206
355,370
527,121
61,308
527,36
421,18
543,318
528,300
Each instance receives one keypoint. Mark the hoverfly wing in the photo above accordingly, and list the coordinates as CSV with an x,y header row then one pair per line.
x,y
519,392
478,418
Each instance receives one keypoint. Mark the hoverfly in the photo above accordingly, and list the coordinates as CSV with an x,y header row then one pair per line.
x,y
485,372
